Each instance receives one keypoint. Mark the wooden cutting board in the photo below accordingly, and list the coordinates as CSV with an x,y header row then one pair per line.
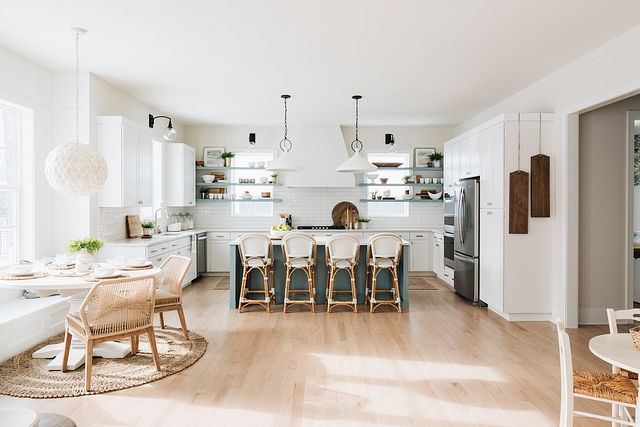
x,y
134,226
540,186
342,211
519,202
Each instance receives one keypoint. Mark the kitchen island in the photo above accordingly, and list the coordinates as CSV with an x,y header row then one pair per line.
x,y
299,279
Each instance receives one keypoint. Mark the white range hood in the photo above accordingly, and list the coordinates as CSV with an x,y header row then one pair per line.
x,y
321,149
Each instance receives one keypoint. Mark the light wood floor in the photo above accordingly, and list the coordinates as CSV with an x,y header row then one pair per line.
x,y
441,363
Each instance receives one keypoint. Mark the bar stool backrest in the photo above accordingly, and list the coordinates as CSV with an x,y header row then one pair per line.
x,y
254,246
298,245
386,246
343,246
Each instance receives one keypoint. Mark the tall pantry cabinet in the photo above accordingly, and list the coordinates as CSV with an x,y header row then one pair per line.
x,y
515,269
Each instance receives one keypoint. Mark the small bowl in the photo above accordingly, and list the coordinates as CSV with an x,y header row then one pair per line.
x,y
103,271
252,164
136,262
435,196
260,164
19,417
384,180
372,176
208,178
21,269
265,194
277,233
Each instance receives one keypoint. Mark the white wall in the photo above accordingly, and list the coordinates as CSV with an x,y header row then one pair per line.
x,y
598,78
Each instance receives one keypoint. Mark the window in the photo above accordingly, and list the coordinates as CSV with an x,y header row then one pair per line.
x,y
9,185
247,208
395,190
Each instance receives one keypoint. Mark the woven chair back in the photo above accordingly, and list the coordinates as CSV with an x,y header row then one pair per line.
x,y
118,305
343,247
385,246
298,245
254,245
174,269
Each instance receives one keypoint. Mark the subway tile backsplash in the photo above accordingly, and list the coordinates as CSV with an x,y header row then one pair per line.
x,y
308,206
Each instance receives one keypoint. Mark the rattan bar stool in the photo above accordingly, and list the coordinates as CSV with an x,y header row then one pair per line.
x,y
383,253
342,252
615,389
256,253
299,253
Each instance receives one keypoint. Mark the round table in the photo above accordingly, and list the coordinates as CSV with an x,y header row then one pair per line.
x,y
617,349
68,283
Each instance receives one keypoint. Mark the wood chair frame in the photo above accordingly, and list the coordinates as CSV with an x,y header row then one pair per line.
x,y
305,262
336,263
377,262
261,262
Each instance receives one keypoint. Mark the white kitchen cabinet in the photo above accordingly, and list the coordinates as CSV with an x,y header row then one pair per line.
x,y
491,258
448,275
419,255
469,152
219,259
492,174
451,165
437,254
126,146
179,174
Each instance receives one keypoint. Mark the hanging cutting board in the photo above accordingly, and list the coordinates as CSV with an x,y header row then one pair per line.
x,y
518,202
134,226
540,186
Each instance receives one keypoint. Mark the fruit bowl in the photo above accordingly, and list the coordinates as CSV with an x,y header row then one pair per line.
x,y
277,233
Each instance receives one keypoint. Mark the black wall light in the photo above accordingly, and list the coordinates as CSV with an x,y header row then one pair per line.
x,y
251,145
390,142
170,134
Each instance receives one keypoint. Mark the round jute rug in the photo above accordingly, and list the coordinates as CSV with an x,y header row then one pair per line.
x,y
23,376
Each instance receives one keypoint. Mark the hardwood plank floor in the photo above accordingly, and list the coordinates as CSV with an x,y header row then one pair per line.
x,y
440,363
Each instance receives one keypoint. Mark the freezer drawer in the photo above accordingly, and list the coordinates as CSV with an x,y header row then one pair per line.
x,y
466,278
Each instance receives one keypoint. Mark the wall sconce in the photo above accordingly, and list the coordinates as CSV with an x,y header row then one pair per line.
x,y
169,134
251,145
390,142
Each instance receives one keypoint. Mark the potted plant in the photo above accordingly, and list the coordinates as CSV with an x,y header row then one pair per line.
x,y
435,157
85,248
147,228
362,222
274,177
373,194
203,192
406,178
227,156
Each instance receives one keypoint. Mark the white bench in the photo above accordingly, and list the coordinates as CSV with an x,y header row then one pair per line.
x,y
27,322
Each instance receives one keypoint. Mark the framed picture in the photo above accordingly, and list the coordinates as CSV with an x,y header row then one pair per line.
x,y
212,156
421,156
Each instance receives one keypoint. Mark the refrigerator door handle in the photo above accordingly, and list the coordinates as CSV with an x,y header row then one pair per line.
x,y
463,216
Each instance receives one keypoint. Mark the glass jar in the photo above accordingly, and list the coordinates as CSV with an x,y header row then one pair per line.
x,y
183,221
189,218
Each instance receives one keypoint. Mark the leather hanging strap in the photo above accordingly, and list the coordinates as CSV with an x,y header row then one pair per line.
x,y
519,197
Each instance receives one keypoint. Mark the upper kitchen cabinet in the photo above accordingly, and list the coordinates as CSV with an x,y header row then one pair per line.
x,y
492,167
179,174
126,146
451,165
469,156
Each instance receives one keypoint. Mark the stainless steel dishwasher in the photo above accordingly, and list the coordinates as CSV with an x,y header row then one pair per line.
x,y
202,253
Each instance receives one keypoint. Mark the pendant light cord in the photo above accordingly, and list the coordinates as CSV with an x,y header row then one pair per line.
x,y
540,135
356,144
77,87
285,144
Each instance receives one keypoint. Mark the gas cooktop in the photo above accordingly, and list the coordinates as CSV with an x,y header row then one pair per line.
x,y
321,227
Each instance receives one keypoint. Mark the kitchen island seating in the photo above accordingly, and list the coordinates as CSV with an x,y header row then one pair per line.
x,y
299,253
341,254
256,253
613,316
615,389
113,309
169,291
383,253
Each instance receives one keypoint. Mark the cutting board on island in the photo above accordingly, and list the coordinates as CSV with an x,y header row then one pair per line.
x,y
134,226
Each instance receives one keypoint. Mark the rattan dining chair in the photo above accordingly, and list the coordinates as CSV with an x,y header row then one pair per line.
x,y
613,316
341,253
113,309
614,389
169,289
383,253
299,253
256,254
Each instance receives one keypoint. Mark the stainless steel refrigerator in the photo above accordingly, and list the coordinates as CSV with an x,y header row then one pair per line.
x,y
466,243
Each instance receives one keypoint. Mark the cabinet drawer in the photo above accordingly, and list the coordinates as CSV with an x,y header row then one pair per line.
x,y
158,249
219,236
419,236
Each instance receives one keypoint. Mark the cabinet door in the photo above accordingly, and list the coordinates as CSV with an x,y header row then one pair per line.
x,y
474,155
191,273
455,163
144,169
189,177
129,180
448,167
419,256
463,155
492,167
491,258
179,174
437,255
218,254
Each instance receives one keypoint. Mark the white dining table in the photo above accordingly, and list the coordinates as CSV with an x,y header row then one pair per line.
x,y
617,349
67,283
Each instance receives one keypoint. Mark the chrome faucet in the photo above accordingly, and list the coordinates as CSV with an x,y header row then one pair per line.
x,y
158,229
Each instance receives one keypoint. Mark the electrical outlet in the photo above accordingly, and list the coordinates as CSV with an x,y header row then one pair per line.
x,y
421,220
218,219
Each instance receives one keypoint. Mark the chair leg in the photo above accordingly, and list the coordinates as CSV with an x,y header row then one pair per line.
x,y
267,293
67,348
154,349
394,275
367,291
243,289
88,364
354,295
374,282
183,322
134,344
161,320
287,289
330,281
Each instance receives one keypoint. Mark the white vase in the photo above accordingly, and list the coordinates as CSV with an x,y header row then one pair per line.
x,y
436,163
84,261
363,225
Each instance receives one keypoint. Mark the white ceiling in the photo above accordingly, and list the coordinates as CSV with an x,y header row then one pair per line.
x,y
416,62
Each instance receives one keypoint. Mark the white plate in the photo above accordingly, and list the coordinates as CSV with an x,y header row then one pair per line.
x,y
104,276
14,274
146,264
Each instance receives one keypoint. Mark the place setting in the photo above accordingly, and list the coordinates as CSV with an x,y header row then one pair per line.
x,y
24,272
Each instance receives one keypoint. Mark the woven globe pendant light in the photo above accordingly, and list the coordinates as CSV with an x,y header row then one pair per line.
x,y
72,168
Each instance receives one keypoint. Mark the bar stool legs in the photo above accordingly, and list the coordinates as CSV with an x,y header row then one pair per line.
x,y
332,292
310,292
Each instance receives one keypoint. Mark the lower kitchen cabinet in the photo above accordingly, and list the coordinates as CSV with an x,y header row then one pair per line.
x,y
437,254
491,258
419,256
218,252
